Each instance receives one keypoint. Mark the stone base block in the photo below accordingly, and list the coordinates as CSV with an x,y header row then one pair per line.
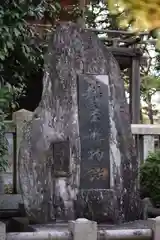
x,y
99,205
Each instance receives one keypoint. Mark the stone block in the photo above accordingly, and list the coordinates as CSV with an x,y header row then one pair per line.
x,y
83,229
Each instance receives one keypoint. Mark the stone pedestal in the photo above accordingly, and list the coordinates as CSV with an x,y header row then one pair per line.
x,y
98,204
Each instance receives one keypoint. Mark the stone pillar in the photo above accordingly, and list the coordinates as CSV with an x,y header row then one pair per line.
x,y
157,229
83,229
148,145
20,118
2,231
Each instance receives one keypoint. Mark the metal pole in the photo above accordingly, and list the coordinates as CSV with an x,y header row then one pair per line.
x,y
127,234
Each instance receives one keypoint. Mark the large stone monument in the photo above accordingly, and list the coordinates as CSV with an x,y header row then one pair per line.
x,y
77,158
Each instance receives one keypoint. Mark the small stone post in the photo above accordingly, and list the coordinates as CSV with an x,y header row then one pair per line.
x,y
148,145
20,118
2,231
156,234
83,229
146,202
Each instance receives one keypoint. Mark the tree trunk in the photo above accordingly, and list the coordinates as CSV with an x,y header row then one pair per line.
x,y
141,115
150,110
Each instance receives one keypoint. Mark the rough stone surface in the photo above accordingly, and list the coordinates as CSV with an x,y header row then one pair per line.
x,y
98,204
49,192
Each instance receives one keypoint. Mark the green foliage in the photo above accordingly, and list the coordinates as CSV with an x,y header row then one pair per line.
x,y
21,46
150,177
8,188
150,84
21,51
